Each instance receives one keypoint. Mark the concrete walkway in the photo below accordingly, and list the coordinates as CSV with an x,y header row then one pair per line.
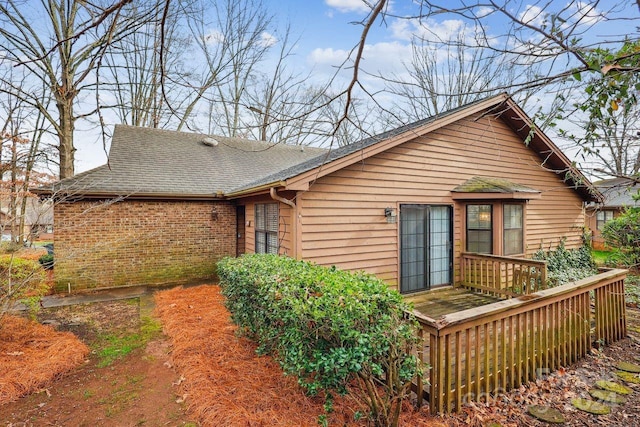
x,y
108,294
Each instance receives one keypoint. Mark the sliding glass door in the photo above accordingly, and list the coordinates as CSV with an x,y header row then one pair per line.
x,y
425,247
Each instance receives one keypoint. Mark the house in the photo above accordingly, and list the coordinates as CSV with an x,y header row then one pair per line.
x,y
618,194
403,205
37,221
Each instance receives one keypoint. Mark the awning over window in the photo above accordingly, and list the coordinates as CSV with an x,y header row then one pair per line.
x,y
486,188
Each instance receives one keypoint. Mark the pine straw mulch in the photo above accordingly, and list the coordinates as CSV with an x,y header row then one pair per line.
x,y
224,382
34,355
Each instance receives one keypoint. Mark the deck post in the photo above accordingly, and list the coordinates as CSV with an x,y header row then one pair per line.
x,y
478,352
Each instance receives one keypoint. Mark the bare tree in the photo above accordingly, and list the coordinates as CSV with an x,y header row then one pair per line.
x,y
440,79
22,160
64,57
132,73
561,40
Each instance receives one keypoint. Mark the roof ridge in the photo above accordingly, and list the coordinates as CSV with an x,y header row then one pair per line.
x,y
269,144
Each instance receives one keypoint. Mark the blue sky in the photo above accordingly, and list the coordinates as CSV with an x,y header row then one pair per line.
x,y
326,34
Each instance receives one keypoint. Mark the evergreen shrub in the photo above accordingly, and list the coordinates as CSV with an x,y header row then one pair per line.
x,y
330,328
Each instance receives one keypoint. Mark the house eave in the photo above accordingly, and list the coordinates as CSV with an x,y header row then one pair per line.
x,y
550,155
495,196
70,196
264,188
304,179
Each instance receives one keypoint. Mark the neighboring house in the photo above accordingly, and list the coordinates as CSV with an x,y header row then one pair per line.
x,y
403,205
618,194
38,220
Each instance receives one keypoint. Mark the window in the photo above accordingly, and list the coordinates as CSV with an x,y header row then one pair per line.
x,y
479,229
602,217
513,230
266,228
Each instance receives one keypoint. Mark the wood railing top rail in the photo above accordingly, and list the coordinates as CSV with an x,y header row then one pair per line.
x,y
523,261
525,302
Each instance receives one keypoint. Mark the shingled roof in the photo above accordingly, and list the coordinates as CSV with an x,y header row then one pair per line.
x,y
618,192
147,162
165,164
500,105
343,151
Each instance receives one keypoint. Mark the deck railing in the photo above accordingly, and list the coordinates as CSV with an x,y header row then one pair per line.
x,y
504,277
478,353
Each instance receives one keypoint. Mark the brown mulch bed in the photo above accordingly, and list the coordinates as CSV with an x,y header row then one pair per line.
x,y
224,381
34,355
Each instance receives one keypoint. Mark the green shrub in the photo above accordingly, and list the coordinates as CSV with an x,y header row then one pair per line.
x,y
20,279
567,265
632,290
623,235
46,261
327,327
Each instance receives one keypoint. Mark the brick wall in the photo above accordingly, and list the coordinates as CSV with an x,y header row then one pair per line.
x,y
102,243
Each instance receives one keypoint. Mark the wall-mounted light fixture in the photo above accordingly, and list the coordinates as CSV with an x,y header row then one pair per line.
x,y
391,215
214,214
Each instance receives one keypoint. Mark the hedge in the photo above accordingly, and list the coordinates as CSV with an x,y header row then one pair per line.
x,y
326,326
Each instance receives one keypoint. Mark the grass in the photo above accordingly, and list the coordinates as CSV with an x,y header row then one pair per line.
x,y
631,285
600,257
111,347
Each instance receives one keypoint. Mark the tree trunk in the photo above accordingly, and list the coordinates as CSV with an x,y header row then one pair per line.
x,y
65,136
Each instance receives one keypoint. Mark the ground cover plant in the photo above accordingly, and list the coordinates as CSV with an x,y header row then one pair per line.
x,y
22,279
327,327
567,265
113,346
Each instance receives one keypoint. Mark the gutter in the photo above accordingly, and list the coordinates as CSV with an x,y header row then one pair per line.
x,y
263,187
274,195
63,196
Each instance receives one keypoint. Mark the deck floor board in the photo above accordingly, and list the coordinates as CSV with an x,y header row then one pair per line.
x,y
441,302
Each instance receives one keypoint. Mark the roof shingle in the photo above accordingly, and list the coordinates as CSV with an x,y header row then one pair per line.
x,y
150,162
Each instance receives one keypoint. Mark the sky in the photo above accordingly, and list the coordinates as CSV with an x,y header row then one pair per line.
x,y
327,32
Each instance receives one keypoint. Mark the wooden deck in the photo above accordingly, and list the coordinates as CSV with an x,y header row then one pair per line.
x,y
440,302
477,345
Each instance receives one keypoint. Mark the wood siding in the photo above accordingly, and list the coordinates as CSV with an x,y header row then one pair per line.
x,y
284,225
341,217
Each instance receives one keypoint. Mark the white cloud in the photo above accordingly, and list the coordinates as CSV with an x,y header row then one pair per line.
x,y
346,6
267,39
427,29
588,14
484,12
533,15
214,37
328,56
379,58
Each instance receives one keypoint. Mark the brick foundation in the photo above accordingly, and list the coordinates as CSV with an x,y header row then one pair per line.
x,y
132,242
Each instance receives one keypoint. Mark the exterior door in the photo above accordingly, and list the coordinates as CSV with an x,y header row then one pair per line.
x,y
240,219
425,247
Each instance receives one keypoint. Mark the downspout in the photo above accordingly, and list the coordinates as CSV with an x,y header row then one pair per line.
x,y
294,219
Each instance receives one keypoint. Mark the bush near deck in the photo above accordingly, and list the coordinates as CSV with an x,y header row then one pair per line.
x,y
567,265
327,326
